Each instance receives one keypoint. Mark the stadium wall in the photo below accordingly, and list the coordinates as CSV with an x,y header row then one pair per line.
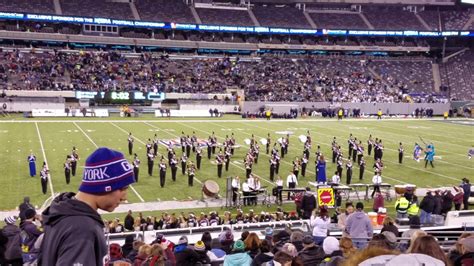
x,y
365,108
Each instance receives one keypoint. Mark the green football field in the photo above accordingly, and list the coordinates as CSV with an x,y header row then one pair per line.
x,y
52,139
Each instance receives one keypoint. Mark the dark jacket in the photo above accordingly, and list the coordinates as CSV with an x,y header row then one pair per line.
x,y
11,232
128,222
32,233
428,203
447,202
438,200
298,245
312,255
23,207
73,233
262,258
391,228
336,258
185,256
308,204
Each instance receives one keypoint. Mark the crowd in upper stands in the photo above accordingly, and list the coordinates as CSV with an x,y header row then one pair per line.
x,y
273,78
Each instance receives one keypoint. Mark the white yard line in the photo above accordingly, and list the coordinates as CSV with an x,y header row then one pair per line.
x,y
45,160
92,141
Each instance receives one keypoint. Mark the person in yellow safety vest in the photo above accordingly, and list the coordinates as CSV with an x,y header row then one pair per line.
x,y
379,114
413,209
268,114
340,113
401,206
445,115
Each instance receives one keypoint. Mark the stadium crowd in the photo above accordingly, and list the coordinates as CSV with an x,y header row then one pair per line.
x,y
272,78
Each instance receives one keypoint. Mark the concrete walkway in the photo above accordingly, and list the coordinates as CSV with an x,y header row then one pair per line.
x,y
208,203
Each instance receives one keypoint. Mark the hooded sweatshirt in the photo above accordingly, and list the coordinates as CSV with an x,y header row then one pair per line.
x,y
358,225
74,233
238,259
10,231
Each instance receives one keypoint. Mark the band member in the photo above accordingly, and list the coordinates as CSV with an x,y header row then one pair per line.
x,y
227,158
148,146
400,153
174,167
136,166
334,149
336,179
209,148
155,145
355,148
282,148
170,152
308,138
182,141
376,181
151,158
235,189
287,143
339,165
74,159
307,149
304,163
378,166
267,146
67,169
360,152
376,147
213,142
130,143
32,164
291,182
279,184
162,166
361,168
248,167
184,161
417,152
219,161
44,174
370,144
191,173
277,165
198,156
272,167
256,189
348,172
274,149
232,143
321,170
246,192
194,141
255,152
318,153
296,166
350,141
429,154
189,145
380,145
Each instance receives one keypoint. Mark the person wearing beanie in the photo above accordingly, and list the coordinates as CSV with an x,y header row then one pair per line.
x,y
265,254
10,254
200,249
238,257
280,239
227,241
359,227
311,254
296,238
25,206
333,252
286,255
30,232
106,178
185,255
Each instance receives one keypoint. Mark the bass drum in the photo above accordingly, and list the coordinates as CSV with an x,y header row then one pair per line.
x,y
210,189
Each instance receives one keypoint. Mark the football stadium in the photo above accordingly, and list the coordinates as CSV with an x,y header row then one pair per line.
x,y
225,132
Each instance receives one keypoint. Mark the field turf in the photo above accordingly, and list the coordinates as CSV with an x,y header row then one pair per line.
x,y
52,139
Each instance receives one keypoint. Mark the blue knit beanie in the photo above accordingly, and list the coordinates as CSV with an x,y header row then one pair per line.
x,y
106,170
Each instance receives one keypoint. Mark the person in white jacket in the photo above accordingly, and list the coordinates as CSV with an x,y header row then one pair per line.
x,y
320,224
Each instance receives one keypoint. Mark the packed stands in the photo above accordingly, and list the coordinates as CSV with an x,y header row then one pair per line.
x,y
164,11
